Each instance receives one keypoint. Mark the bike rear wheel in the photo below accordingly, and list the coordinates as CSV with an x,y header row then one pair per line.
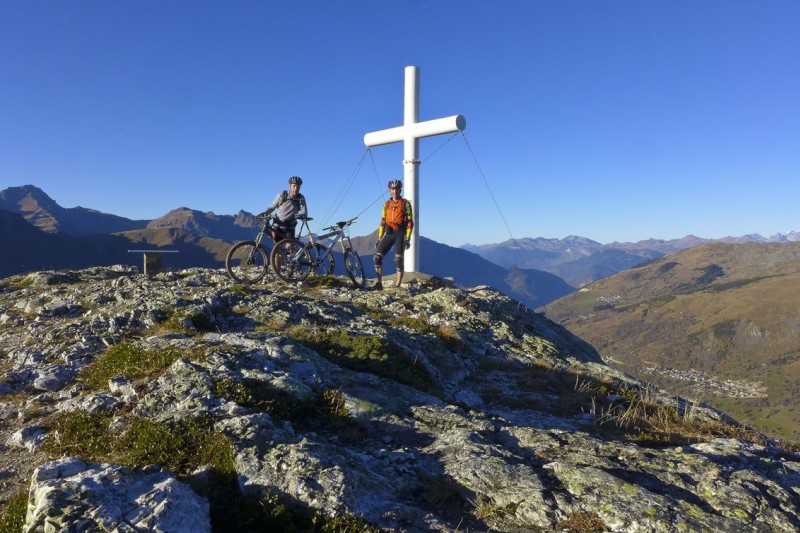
x,y
291,261
322,259
247,262
354,267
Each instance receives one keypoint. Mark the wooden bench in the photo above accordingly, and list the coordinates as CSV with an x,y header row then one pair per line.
x,y
153,259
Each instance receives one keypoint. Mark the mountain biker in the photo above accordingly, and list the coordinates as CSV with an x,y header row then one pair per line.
x,y
288,206
397,221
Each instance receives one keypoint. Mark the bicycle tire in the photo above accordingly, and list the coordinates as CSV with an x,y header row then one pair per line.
x,y
322,259
291,261
355,269
247,262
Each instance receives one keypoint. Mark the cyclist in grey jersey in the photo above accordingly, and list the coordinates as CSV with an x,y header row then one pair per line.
x,y
288,206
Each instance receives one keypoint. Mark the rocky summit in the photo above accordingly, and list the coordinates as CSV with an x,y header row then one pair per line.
x,y
185,402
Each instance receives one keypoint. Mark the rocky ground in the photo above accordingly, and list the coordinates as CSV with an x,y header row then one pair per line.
x,y
420,408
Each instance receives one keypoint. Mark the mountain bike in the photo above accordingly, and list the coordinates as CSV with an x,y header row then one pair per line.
x,y
248,261
294,259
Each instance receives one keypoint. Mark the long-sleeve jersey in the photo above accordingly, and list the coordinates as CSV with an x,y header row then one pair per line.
x,y
288,207
397,213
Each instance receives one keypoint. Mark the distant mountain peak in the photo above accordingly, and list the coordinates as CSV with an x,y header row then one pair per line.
x,y
26,198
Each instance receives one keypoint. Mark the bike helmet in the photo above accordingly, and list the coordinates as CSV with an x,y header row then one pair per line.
x,y
295,179
395,184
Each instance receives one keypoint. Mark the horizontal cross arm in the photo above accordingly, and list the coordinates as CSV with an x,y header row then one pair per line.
x,y
417,130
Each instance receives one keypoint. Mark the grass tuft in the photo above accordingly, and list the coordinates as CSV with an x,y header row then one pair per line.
x,y
365,353
182,447
131,362
12,516
322,408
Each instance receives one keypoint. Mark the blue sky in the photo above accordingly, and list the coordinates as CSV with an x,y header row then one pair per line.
x,y
614,120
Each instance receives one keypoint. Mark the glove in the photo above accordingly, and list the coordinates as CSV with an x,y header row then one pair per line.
x,y
408,244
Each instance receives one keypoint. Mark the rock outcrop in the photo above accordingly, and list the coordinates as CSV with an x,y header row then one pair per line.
x,y
421,408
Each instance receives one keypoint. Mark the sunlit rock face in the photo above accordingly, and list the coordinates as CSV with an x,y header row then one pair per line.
x,y
420,408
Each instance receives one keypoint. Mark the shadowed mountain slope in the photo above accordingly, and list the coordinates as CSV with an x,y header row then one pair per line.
x,y
44,213
719,322
231,228
203,240
27,248
533,288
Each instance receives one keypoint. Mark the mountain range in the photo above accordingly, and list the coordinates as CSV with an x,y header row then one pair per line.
x,y
718,322
578,260
40,234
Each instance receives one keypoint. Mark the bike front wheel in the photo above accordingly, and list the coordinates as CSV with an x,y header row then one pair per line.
x,y
321,258
291,261
352,263
247,262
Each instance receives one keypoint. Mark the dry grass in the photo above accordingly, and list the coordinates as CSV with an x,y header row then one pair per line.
x,y
582,522
646,420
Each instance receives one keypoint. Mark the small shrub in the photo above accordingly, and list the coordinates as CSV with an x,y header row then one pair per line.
x,y
440,490
582,522
12,516
416,324
241,289
329,282
189,323
16,283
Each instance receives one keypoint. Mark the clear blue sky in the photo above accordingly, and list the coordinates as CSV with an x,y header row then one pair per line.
x,y
613,120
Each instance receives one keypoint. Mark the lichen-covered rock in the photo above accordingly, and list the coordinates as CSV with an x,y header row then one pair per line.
x,y
423,408
71,495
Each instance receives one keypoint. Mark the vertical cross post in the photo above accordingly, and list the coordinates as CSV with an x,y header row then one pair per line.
x,y
410,133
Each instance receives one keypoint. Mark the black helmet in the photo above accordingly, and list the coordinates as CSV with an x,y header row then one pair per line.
x,y
395,184
295,179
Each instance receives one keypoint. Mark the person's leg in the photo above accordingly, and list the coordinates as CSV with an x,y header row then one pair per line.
x,y
399,249
377,259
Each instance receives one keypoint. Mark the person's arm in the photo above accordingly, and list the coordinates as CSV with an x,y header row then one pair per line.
x,y
302,211
382,226
275,203
409,220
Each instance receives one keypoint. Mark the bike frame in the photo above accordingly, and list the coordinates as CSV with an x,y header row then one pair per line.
x,y
339,231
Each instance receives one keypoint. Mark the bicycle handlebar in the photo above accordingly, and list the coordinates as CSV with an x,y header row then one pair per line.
x,y
341,225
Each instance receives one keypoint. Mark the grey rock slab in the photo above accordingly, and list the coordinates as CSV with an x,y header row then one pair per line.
x,y
71,495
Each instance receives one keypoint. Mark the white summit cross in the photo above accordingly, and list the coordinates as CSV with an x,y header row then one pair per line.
x,y
410,133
